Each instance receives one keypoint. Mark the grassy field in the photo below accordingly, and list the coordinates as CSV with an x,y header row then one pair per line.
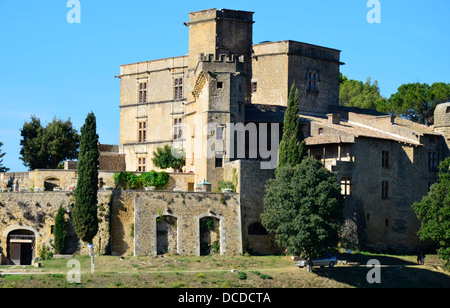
x,y
216,272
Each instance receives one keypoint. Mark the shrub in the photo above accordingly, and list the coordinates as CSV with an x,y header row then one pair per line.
x,y
129,180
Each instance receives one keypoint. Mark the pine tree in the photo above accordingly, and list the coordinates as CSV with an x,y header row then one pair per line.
x,y
59,231
292,145
2,168
85,220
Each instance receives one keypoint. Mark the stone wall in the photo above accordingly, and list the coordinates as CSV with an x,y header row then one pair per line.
x,y
140,213
36,211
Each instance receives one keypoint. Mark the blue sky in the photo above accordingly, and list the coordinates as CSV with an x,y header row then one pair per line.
x,y
51,68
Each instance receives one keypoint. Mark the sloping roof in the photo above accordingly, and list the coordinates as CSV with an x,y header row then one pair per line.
x,y
264,113
346,129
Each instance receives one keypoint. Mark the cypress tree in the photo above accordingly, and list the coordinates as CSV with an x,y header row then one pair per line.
x,y
292,146
59,231
84,214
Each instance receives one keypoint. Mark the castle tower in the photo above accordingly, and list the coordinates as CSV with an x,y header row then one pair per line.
x,y
221,32
219,79
442,122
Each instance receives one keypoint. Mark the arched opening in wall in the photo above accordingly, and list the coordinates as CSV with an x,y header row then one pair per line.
x,y
51,183
256,228
166,235
21,247
209,236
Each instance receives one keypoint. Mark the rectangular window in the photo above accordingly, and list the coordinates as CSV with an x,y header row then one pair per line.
x,y
432,161
312,81
384,189
178,88
143,92
142,131
219,160
385,159
177,128
219,132
142,164
346,185
254,87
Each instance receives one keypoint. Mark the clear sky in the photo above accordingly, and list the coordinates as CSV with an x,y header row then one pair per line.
x,y
52,68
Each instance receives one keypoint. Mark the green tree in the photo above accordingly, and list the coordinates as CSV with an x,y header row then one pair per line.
x,y
166,157
417,101
84,214
354,93
434,212
292,145
46,147
303,208
2,168
59,231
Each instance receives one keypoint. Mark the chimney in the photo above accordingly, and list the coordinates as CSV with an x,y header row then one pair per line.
x,y
334,118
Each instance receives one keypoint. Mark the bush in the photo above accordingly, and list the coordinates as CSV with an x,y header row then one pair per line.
x,y
129,180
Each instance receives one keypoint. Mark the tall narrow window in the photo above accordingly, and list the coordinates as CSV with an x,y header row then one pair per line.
x,y
432,161
142,161
142,92
177,128
142,131
312,81
219,132
178,88
254,87
384,189
385,159
346,185
219,160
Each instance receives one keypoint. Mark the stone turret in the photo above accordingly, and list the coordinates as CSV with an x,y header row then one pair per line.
x,y
442,121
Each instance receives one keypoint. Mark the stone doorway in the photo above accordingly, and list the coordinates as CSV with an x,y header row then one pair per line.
x,y
51,183
166,239
21,247
209,236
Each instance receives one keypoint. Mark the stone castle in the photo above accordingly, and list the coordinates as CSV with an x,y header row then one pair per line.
x,y
223,103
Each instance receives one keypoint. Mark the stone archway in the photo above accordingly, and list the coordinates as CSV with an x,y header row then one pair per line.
x,y
50,183
21,244
166,235
209,236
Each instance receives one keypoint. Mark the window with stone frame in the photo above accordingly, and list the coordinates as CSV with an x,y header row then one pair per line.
x,y
177,128
143,92
254,87
346,186
142,163
432,161
219,160
178,88
312,80
142,131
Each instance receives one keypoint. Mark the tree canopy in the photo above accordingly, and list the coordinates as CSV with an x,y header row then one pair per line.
x,y
46,147
303,208
434,212
2,167
412,101
354,93
164,158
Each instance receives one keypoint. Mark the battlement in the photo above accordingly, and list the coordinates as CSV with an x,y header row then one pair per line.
x,y
214,14
221,58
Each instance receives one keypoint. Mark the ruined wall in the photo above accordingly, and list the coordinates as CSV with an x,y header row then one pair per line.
x,y
138,213
36,211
